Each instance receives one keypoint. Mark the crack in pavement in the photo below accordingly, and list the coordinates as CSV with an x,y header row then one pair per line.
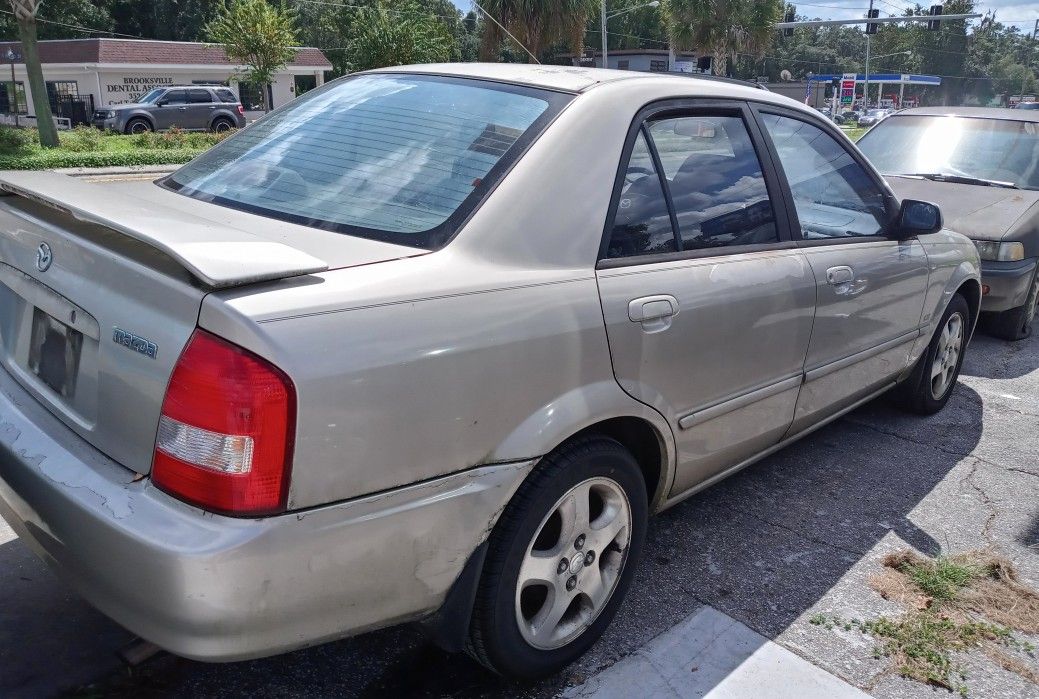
x,y
1023,470
951,452
986,529
798,532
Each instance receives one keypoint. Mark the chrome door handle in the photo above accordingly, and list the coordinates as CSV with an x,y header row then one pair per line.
x,y
842,274
653,312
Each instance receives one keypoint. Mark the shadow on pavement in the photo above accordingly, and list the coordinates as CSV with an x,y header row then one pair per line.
x,y
763,547
992,358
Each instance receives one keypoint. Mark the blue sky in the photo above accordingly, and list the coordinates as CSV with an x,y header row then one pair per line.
x,y
1022,14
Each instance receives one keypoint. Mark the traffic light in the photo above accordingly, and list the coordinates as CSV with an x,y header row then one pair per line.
x,y
791,16
935,24
870,27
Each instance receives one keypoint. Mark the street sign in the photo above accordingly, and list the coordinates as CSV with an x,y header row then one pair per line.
x,y
848,88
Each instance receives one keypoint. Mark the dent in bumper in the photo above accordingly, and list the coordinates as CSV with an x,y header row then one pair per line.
x,y
220,589
1008,283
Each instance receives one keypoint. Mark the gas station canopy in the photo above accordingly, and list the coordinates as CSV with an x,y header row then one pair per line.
x,y
896,78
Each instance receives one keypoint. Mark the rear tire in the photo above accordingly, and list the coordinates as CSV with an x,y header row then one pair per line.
x,y
135,126
928,387
554,577
1016,324
221,125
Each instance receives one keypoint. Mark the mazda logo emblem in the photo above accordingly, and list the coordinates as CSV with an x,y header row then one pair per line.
x,y
44,257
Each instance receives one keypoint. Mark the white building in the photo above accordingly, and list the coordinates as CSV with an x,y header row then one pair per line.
x,y
647,60
87,74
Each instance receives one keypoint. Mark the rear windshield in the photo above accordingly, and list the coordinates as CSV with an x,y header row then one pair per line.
x,y
401,158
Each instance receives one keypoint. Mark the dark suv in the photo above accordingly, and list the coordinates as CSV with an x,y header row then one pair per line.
x,y
190,107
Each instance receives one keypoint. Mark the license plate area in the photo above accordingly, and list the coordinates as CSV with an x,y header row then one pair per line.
x,y
54,353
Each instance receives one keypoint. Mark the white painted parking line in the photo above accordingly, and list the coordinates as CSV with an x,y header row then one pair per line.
x,y
710,654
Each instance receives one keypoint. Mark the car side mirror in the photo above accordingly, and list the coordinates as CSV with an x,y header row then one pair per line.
x,y
163,103
916,218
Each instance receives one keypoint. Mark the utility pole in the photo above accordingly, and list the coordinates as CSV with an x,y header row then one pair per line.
x,y
1024,75
605,38
865,83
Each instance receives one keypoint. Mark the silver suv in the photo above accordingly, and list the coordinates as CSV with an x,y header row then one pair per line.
x,y
190,107
432,343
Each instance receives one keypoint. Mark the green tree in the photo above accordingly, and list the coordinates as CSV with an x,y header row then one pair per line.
x,y
722,28
25,13
259,36
403,35
82,13
537,24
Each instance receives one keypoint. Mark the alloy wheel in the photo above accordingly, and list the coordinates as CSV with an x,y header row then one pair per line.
x,y
947,356
573,564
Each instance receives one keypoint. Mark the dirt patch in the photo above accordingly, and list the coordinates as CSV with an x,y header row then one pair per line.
x,y
959,603
977,583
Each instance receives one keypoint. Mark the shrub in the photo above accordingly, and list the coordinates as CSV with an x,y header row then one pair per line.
x,y
14,139
145,139
59,157
83,139
175,137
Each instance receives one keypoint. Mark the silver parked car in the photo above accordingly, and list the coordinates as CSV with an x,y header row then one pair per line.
x,y
432,343
189,107
981,165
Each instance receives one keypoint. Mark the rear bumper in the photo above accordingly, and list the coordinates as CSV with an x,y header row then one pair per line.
x,y
221,589
1007,282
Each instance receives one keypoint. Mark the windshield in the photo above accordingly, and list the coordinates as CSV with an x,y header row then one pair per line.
x,y
401,158
990,149
151,95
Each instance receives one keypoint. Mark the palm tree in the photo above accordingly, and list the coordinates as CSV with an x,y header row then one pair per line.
x,y
722,28
25,13
536,24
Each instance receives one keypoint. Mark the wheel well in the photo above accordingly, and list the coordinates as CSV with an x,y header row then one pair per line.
x,y
642,440
970,290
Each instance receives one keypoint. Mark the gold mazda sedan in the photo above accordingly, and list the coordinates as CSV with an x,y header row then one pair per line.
x,y
432,343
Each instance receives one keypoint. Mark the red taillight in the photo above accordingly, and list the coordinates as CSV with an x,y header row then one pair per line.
x,y
226,430
241,110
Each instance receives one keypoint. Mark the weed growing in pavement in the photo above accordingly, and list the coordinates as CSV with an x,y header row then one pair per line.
x,y
957,604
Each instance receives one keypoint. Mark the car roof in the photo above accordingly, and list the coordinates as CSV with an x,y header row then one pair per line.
x,y
977,112
564,78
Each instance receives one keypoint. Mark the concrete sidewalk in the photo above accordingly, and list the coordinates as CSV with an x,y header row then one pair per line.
x,y
710,654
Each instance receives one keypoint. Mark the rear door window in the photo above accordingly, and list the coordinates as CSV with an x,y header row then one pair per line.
x,y
395,157
199,96
642,224
715,180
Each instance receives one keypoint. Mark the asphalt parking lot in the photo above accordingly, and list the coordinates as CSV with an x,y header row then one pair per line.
x,y
795,535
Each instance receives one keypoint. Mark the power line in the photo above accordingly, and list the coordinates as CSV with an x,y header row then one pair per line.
x,y
81,28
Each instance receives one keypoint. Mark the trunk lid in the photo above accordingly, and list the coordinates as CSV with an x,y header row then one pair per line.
x,y
100,289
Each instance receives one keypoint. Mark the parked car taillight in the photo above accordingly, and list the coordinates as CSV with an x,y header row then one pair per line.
x,y
226,431
241,110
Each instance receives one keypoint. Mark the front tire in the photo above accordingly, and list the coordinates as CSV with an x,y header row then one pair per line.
x,y
930,384
560,560
1016,324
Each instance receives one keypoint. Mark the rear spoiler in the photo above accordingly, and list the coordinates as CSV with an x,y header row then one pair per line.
x,y
219,256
